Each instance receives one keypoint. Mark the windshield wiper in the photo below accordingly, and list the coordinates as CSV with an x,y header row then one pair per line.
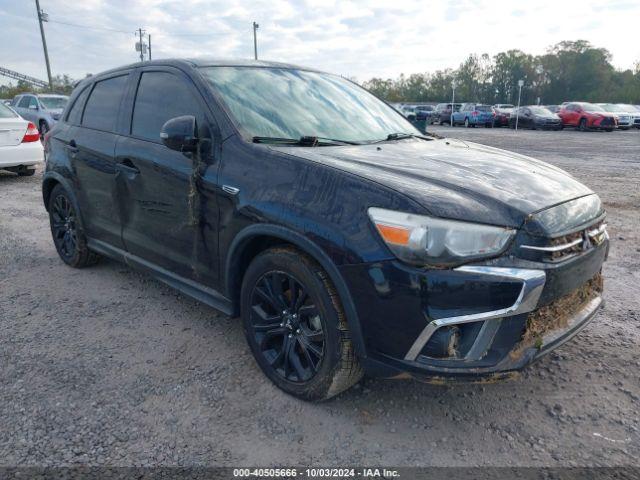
x,y
305,141
403,135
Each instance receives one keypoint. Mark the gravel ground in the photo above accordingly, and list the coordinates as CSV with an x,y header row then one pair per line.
x,y
105,366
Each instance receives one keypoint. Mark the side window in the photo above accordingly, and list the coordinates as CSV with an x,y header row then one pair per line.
x,y
24,102
75,114
161,96
101,111
33,102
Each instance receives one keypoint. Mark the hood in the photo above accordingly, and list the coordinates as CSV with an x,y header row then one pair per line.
x,y
454,179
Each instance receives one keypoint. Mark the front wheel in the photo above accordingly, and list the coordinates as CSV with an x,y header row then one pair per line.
x,y
582,126
295,326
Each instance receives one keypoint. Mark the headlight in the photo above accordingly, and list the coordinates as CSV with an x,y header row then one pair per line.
x,y
422,240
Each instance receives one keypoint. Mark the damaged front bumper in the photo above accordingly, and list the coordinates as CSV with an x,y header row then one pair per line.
x,y
473,321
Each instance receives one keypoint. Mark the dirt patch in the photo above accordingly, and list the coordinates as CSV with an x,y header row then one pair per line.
x,y
556,315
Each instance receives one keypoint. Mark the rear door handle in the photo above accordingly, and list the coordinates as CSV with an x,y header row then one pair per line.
x,y
72,147
127,166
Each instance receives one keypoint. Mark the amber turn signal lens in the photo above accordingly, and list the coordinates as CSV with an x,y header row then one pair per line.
x,y
395,235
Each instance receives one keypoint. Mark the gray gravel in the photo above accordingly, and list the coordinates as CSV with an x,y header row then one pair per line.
x,y
105,366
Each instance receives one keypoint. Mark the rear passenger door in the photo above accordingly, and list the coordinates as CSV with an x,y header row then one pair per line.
x,y
168,219
91,149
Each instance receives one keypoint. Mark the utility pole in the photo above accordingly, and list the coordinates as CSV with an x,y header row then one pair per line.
x,y
255,40
140,32
43,17
149,46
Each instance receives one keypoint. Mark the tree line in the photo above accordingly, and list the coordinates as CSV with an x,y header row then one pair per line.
x,y
62,84
569,70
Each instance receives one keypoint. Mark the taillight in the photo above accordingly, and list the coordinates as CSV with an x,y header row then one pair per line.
x,y
32,135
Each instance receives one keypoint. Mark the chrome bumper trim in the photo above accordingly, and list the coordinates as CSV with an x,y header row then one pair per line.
x,y
532,285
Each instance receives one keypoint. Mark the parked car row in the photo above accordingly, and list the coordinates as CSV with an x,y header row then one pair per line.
x,y
580,115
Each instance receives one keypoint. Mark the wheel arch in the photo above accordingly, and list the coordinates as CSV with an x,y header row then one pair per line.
x,y
255,239
49,182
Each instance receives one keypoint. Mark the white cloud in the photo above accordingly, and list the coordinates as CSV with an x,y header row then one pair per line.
x,y
355,38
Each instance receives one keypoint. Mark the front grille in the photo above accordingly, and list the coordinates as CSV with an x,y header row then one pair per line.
x,y
558,313
566,246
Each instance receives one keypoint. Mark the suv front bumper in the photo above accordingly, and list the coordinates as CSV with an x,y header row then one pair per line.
x,y
480,320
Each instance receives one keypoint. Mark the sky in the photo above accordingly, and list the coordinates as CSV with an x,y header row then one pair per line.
x,y
361,40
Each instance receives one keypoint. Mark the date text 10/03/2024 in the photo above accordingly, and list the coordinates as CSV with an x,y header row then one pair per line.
x,y
315,473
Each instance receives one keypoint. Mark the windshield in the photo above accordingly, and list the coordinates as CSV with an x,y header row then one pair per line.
x,y
288,103
540,111
483,108
6,112
590,107
610,107
54,103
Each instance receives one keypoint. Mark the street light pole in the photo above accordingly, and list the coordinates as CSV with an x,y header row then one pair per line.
x,y
520,84
43,17
255,40
453,100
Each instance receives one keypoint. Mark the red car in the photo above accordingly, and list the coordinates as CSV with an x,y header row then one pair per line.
x,y
584,116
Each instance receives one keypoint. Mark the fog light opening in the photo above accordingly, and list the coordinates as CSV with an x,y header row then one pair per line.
x,y
444,343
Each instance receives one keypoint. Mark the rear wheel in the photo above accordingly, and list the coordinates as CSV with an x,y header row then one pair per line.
x,y
68,236
296,328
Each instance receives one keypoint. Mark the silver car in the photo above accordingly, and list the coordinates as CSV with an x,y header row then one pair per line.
x,y
44,110
625,114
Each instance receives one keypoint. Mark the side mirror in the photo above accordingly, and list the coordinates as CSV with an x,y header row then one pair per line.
x,y
180,134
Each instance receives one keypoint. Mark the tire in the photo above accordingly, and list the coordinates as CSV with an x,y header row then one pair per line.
x,y
43,128
300,341
66,230
582,125
608,129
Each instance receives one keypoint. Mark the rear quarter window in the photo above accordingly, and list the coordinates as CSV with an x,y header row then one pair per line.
x,y
101,111
75,113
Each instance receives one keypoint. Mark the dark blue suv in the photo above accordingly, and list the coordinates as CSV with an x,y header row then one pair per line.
x,y
348,242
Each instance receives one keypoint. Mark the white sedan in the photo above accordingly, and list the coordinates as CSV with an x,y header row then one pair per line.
x,y
20,147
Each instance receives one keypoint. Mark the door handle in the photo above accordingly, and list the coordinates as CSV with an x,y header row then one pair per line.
x,y
72,147
127,166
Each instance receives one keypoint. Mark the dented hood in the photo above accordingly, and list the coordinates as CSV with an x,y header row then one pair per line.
x,y
455,179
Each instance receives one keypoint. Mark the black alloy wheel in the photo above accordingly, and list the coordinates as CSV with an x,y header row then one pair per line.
x,y
287,326
582,126
66,230
63,227
296,328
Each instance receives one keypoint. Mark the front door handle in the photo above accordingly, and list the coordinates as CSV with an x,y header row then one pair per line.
x,y
127,166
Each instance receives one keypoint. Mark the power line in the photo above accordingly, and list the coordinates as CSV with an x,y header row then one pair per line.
x,y
90,27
